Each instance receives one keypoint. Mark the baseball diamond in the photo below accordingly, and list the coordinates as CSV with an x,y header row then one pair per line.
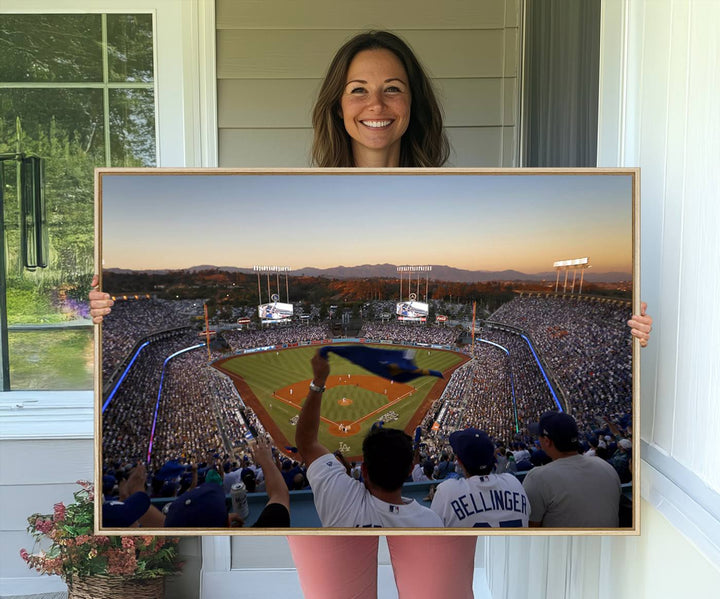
x,y
274,384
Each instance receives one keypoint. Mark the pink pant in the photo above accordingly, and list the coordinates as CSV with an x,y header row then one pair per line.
x,y
425,567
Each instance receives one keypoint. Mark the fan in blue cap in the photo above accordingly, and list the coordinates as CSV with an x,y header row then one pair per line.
x,y
393,364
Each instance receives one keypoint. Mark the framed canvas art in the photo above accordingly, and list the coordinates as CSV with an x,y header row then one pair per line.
x,y
474,326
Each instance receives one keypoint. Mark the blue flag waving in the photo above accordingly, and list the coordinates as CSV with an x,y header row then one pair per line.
x,y
394,364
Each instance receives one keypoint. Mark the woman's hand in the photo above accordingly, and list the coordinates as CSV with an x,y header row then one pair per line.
x,y
641,325
100,302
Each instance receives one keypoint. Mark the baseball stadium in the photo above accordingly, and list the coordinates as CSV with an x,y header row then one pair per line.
x,y
516,289
175,393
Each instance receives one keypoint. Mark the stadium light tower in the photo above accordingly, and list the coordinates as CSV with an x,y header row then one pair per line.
x,y
581,264
268,270
418,269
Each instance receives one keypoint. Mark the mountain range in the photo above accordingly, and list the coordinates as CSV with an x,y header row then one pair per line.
x,y
389,271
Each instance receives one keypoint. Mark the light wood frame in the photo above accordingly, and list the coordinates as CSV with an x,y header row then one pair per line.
x,y
447,175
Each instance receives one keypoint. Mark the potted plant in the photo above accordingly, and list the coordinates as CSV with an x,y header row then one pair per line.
x,y
97,566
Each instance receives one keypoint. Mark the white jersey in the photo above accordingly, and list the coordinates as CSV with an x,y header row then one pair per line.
x,y
343,502
495,500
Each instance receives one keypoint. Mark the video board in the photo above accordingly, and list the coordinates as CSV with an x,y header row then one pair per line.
x,y
412,310
275,311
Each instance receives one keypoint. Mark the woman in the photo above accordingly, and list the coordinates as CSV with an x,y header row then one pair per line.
x,y
376,108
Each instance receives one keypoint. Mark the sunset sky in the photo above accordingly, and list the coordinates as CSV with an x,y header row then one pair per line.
x,y
475,222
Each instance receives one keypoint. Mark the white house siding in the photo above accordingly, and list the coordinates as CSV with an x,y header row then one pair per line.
x,y
271,57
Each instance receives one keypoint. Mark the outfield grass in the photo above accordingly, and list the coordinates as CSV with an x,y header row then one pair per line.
x,y
267,372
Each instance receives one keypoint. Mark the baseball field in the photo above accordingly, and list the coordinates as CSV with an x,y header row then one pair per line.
x,y
274,384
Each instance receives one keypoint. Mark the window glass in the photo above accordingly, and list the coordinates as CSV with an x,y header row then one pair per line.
x,y
130,47
132,127
52,359
36,48
76,115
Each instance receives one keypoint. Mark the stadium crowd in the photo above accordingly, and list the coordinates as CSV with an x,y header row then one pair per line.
x,y
201,418
128,418
131,320
277,334
586,346
408,333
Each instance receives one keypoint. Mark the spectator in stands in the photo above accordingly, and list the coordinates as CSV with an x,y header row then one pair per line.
x,y
572,491
444,467
620,460
422,468
205,506
342,501
479,498
232,475
133,506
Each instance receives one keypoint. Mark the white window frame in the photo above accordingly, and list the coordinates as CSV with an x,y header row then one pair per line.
x,y
186,135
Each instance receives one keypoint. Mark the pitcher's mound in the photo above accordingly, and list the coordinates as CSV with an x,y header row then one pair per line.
x,y
345,401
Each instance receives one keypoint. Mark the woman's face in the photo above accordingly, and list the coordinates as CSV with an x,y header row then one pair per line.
x,y
375,107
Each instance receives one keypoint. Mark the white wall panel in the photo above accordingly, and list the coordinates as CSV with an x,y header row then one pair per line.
x,y
673,234
268,103
253,552
265,147
475,102
475,146
288,103
350,14
254,53
672,128
291,147
19,501
35,475
51,461
652,155
698,413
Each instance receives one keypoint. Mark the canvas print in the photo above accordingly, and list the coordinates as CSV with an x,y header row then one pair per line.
x,y
344,351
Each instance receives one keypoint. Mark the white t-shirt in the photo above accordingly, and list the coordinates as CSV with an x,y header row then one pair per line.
x,y
495,500
418,474
520,455
343,502
230,479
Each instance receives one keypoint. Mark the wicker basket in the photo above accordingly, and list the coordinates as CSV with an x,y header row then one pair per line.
x,y
116,587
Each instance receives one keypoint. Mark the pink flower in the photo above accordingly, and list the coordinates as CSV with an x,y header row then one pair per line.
x,y
53,565
121,562
43,526
24,555
128,543
59,512
82,539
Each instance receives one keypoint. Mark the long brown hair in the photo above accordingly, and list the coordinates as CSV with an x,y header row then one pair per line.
x,y
423,144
